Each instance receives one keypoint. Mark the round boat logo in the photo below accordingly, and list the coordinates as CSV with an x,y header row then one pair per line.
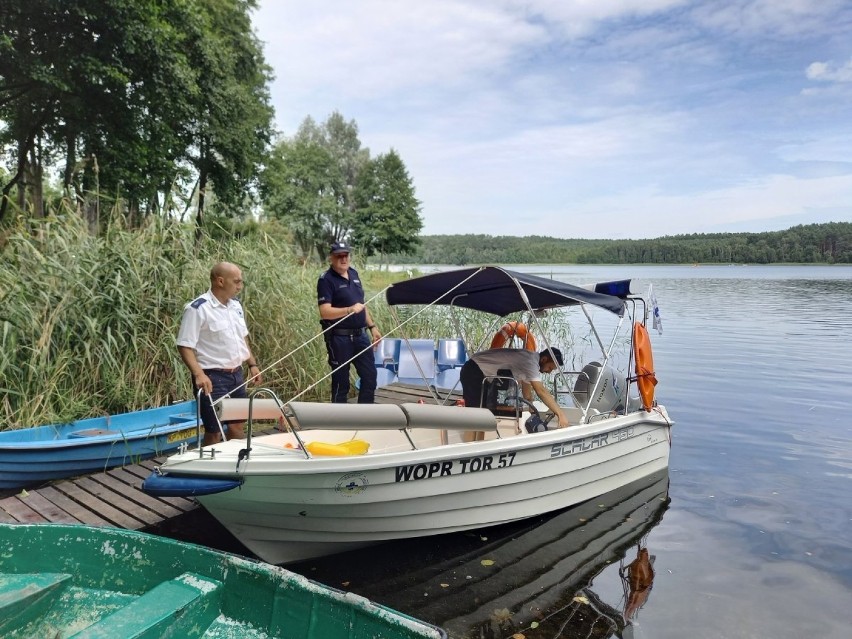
x,y
351,484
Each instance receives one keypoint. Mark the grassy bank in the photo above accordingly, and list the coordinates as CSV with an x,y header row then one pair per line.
x,y
88,324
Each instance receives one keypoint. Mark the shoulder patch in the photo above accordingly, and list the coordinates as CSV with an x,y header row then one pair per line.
x,y
198,302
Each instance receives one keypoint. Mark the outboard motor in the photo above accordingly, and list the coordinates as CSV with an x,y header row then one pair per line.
x,y
610,392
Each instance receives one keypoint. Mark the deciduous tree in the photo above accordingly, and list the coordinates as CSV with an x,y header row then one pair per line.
x,y
387,213
135,97
311,180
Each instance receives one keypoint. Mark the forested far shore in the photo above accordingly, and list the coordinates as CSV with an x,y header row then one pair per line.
x,y
829,243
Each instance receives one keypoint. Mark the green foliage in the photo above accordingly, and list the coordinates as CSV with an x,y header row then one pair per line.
x,y
829,243
232,124
88,323
301,187
130,93
387,215
85,319
310,182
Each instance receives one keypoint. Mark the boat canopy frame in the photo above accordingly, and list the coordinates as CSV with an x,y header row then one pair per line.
x,y
502,292
495,290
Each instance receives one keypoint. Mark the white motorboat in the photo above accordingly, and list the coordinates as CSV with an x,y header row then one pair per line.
x,y
343,476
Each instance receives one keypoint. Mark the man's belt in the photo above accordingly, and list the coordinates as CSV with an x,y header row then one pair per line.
x,y
348,331
230,371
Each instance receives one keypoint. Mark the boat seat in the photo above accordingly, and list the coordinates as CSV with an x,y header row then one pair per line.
x,y
417,361
233,409
320,416
171,608
384,377
448,417
448,379
23,594
386,354
451,354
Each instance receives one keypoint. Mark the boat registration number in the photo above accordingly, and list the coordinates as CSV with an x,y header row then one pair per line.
x,y
180,435
454,467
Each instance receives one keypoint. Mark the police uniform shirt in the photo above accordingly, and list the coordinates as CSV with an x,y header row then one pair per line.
x,y
334,289
522,363
215,331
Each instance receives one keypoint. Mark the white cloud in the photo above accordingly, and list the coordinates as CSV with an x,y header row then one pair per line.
x,y
829,72
581,118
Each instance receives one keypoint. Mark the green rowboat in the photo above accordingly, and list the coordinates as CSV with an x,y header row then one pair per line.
x,y
62,581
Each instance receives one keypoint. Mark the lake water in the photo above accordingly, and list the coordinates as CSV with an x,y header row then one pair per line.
x,y
753,537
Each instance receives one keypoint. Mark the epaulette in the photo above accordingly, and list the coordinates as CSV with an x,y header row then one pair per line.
x,y
198,302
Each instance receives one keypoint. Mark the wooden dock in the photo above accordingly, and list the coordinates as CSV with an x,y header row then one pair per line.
x,y
115,497
397,393
111,498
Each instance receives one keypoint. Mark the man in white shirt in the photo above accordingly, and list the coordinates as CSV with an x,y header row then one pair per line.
x,y
213,343
526,367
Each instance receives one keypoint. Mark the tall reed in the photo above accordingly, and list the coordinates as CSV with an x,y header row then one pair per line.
x,y
88,324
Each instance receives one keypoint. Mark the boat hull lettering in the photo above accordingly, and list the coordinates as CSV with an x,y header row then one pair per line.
x,y
454,467
588,443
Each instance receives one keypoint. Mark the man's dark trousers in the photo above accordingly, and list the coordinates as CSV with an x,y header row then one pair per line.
x,y
342,349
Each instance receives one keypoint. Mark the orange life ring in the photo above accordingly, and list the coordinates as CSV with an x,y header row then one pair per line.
x,y
514,329
645,377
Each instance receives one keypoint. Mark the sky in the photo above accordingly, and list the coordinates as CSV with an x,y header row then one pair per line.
x,y
584,118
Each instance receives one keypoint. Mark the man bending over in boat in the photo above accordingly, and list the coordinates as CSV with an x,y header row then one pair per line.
x,y
213,343
526,367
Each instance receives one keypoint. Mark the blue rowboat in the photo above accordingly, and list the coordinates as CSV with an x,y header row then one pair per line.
x,y
29,456
82,581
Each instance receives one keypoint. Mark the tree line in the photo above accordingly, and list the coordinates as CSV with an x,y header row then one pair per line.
x,y
141,109
829,243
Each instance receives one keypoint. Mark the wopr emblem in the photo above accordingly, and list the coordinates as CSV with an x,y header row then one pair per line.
x,y
351,484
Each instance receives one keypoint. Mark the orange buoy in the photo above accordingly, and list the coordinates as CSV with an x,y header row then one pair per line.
x,y
510,330
645,377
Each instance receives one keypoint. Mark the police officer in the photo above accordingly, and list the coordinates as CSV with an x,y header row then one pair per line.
x,y
213,343
341,295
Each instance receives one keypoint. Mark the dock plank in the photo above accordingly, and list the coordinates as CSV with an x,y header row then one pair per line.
x,y
162,510
20,511
397,393
150,464
181,503
73,508
47,509
113,515
118,501
6,518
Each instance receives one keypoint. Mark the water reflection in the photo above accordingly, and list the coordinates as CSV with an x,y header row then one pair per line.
x,y
638,579
534,577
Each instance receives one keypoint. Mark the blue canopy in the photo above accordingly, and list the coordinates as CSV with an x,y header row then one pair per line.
x,y
493,289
